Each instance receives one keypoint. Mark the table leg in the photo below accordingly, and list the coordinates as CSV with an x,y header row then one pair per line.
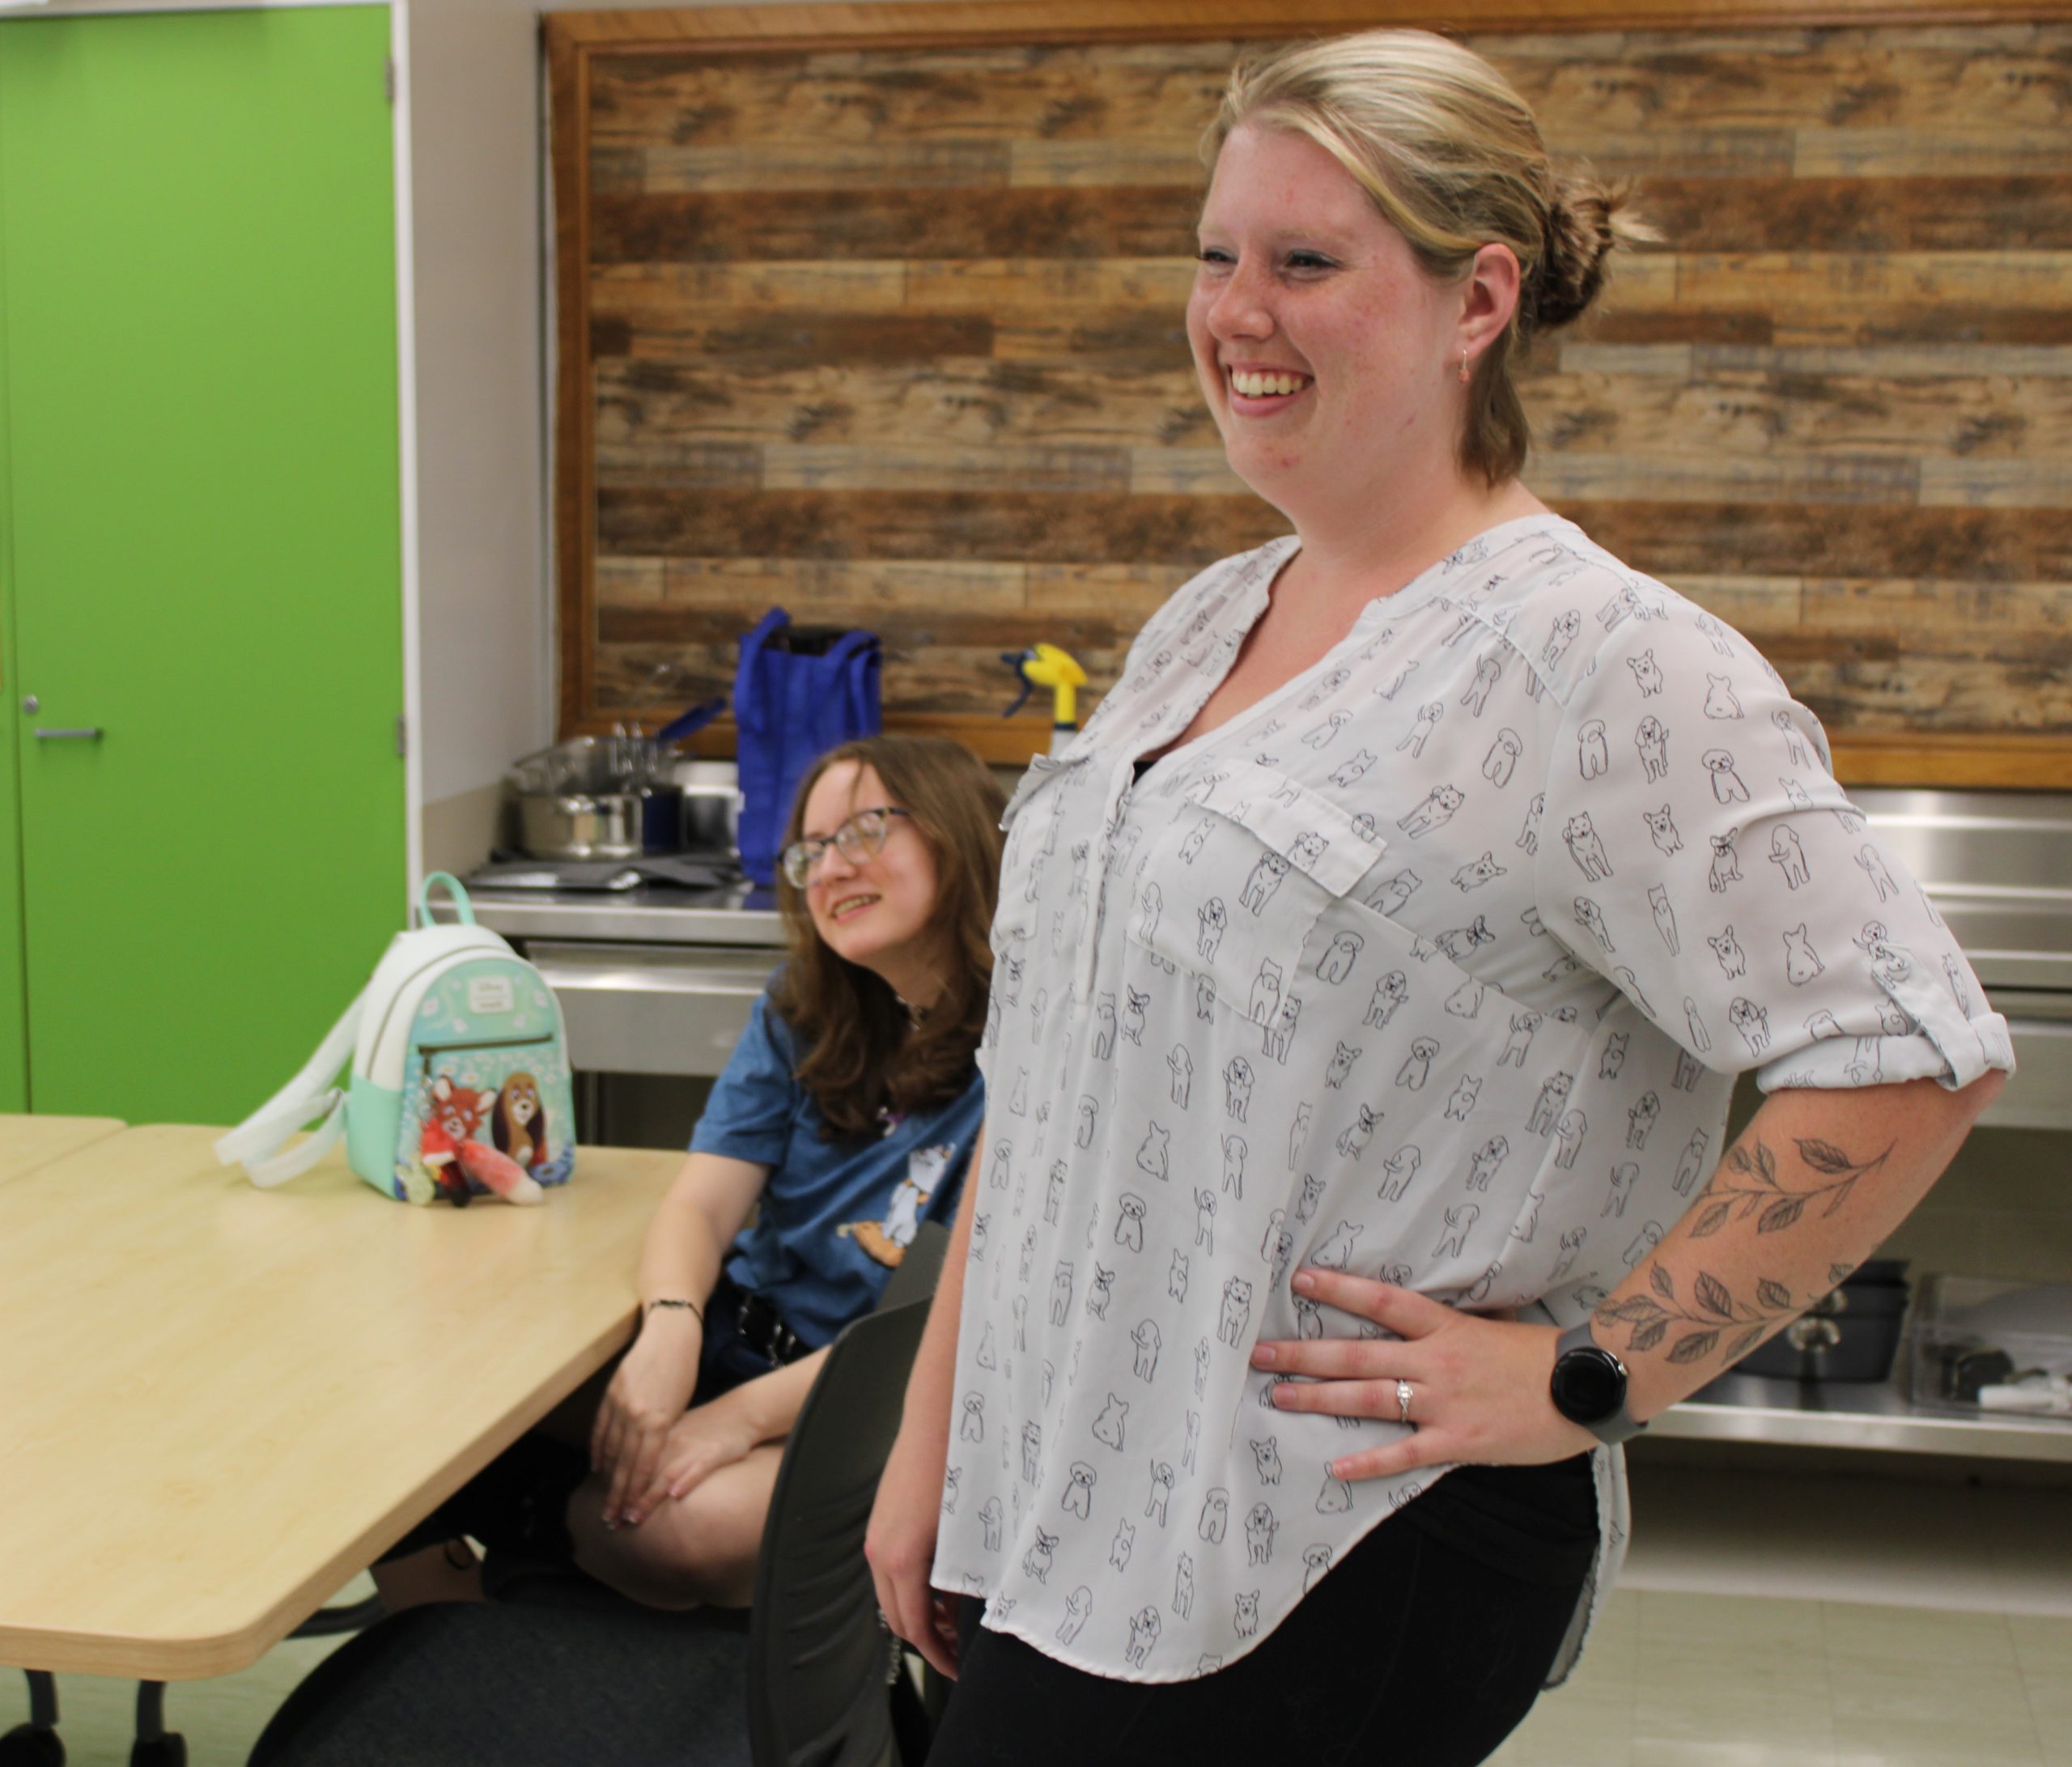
x,y
155,1745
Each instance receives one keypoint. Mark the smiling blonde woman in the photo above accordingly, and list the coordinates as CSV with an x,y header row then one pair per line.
x,y
1373,973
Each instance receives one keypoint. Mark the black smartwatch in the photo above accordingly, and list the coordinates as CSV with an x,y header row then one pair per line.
x,y
1588,1387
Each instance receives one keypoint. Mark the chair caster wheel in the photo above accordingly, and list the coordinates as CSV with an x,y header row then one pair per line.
x,y
169,1750
31,1745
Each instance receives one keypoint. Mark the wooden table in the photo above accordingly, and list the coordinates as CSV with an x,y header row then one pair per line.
x,y
28,1143
218,1403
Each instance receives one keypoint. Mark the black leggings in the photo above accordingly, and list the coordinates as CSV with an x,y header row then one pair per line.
x,y
1410,1653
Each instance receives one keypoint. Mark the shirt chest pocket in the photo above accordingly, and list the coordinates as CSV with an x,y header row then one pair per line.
x,y
1044,866
1247,895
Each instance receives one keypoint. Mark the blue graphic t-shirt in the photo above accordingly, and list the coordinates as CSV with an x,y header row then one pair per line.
x,y
835,1216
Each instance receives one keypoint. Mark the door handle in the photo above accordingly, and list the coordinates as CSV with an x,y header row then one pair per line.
x,y
90,734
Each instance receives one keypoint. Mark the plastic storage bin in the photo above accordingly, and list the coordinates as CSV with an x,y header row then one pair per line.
x,y
1981,1345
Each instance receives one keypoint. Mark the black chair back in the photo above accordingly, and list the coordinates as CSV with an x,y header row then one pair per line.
x,y
820,1665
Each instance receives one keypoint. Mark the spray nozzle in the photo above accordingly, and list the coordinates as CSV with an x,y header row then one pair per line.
x,y
1045,665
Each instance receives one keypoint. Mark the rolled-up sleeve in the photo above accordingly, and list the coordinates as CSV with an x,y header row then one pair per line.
x,y
1708,863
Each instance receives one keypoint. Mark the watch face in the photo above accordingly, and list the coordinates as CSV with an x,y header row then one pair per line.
x,y
1590,1385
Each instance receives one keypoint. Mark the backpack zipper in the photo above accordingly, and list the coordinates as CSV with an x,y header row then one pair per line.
x,y
428,1051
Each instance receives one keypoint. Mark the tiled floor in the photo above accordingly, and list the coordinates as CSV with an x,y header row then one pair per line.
x,y
1676,1680
1766,1620
1775,1619
1865,1538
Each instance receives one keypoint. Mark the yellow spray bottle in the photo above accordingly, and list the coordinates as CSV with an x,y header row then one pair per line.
x,y
1045,665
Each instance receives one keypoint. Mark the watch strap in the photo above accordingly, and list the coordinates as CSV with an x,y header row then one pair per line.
x,y
1618,1426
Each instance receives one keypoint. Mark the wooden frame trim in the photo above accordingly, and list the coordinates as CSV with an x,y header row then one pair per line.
x,y
2019,763
911,22
570,39
574,488
2015,762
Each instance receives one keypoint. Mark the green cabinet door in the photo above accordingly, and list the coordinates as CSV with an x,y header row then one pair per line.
x,y
203,552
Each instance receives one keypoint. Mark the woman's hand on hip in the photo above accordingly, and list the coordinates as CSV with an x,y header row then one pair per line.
x,y
901,1545
1477,1388
643,1403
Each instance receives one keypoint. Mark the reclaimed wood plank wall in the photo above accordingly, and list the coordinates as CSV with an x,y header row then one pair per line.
x,y
892,335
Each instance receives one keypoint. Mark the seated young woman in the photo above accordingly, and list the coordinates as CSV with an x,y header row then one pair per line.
x,y
846,1117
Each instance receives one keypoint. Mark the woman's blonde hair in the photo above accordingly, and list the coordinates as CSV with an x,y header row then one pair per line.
x,y
861,1054
1452,157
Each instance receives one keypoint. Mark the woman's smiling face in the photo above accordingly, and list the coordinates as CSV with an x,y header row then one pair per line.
x,y
1325,352
878,912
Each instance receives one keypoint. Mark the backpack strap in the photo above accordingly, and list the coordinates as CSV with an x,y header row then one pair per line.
x,y
257,1142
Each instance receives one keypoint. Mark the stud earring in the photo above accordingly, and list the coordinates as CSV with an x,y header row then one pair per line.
x,y
1463,368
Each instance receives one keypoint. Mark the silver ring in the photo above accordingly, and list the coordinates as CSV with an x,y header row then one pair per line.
x,y
1402,1402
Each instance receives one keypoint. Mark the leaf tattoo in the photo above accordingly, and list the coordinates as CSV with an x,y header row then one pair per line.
x,y
1782,1214
1654,1317
1691,1347
1745,1343
1746,1185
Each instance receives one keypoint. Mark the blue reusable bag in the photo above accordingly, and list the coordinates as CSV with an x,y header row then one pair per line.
x,y
795,698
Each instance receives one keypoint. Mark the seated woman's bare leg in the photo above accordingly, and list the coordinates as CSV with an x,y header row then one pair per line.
x,y
697,1550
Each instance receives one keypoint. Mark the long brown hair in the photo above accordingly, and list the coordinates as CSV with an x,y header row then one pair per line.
x,y
862,1054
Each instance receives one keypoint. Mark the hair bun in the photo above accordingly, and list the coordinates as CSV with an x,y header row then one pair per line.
x,y
1585,221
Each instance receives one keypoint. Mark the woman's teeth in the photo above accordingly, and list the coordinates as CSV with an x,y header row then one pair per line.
x,y
1260,386
849,902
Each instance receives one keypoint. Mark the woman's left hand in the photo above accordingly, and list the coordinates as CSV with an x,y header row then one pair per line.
x,y
1478,1385
704,1439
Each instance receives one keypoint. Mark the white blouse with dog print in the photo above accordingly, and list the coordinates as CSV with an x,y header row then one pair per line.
x,y
1436,966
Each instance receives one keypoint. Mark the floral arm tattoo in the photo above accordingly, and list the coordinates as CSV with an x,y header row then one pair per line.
x,y
1707,1316
1749,1185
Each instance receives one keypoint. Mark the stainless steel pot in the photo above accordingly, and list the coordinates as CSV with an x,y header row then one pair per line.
x,y
601,825
615,797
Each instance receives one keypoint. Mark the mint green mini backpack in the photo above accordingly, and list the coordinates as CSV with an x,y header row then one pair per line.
x,y
459,1082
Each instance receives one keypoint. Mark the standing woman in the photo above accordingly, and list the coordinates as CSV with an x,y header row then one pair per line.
x,y
1383,952
846,1117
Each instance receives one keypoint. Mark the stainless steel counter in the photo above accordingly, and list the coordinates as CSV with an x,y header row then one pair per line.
x,y
651,914
1997,867
1873,1415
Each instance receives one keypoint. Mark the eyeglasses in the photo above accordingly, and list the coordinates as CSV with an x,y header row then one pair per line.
x,y
857,839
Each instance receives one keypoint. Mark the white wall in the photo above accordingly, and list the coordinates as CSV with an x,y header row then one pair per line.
x,y
483,575
480,234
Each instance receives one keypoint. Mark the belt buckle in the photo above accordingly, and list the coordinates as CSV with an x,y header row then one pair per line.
x,y
763,1329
